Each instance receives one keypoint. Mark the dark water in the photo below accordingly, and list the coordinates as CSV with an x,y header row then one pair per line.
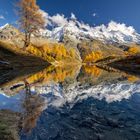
x,y
71,103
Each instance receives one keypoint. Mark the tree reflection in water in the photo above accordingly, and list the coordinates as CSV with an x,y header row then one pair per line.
x,y
33,105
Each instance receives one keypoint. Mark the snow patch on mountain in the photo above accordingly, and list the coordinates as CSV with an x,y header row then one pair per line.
x,y
113,32
2,27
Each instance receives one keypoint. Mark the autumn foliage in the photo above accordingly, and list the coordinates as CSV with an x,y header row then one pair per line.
x,y
134,49
53,52
30,18
93,56
92,70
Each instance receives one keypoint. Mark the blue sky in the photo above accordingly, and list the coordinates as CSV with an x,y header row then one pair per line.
x,y
93,12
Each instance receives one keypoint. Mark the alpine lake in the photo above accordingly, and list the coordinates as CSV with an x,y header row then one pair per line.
x,y
69,103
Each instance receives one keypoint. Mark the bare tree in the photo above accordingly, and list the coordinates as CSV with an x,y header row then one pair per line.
x,y
30,19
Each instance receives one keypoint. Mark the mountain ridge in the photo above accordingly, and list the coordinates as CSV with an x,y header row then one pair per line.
x,y
113,33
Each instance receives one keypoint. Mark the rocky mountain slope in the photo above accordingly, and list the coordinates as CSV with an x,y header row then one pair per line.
x,y
96,50
11,34
8,32
89,42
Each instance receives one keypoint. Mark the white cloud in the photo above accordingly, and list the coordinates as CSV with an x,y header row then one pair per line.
x,y
46,17
45,14
59,20
94,14
2,17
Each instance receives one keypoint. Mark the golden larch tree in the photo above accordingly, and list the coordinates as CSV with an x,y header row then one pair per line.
x,y
30,19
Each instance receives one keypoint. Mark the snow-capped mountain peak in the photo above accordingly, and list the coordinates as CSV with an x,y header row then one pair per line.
x,y
113,32
2,27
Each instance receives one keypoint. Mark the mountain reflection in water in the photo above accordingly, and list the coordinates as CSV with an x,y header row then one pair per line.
x,y
70,103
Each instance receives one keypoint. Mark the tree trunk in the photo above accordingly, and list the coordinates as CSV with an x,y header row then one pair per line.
x,y
27,39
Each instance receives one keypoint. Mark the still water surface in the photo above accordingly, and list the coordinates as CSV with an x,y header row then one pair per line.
x,y
71,103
